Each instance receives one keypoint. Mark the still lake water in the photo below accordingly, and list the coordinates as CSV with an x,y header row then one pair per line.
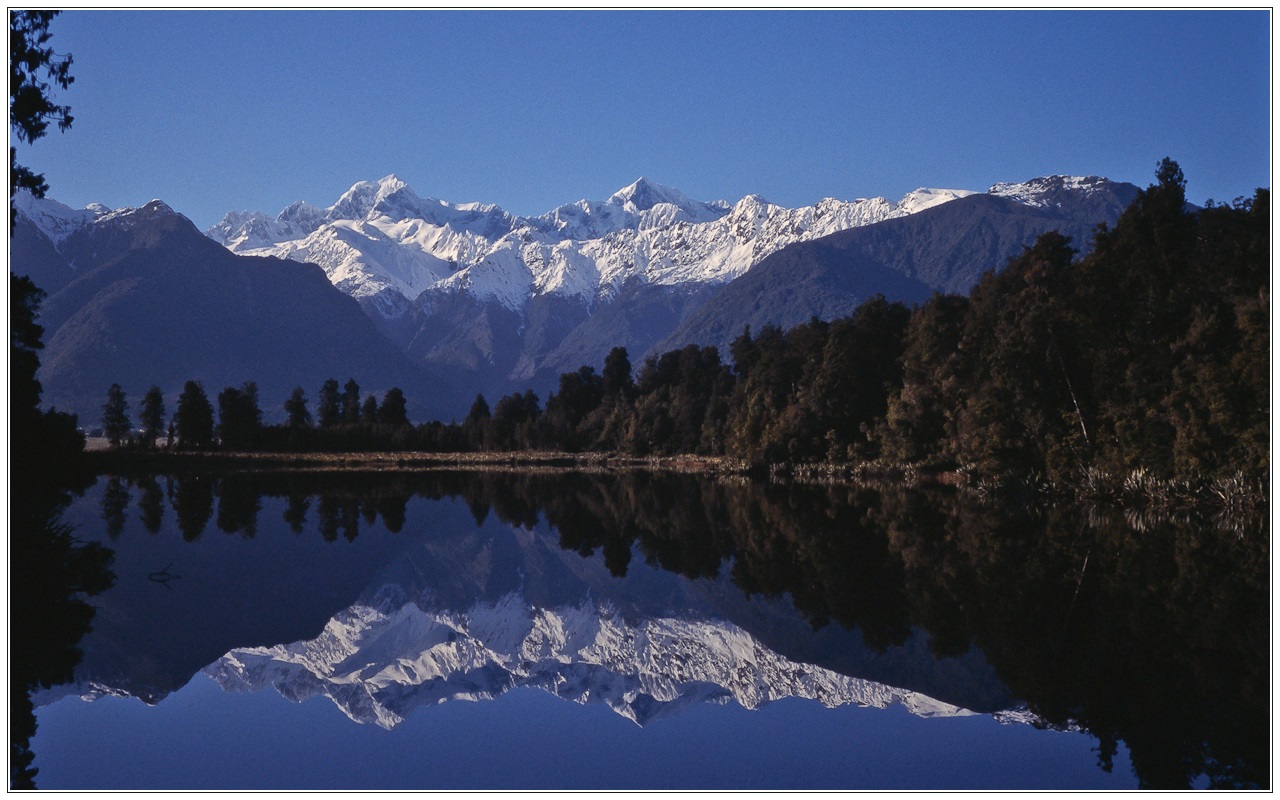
x,y
547,630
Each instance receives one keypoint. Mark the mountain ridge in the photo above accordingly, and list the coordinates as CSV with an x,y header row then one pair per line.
x,y
586,249
494,303
945,248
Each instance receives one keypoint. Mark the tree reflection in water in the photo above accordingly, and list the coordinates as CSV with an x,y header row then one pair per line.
x,y
1154,635
150,503
193,504
50,575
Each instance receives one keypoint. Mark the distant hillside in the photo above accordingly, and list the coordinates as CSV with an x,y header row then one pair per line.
x,y
945,249
150,300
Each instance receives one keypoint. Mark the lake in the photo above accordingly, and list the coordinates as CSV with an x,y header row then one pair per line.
x,y
547,629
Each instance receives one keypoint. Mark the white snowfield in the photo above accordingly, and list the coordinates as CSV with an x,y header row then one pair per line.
x,y
378,664
382,243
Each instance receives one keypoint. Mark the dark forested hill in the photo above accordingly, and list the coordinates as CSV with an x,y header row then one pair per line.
x,y
1141,361
146,299
945,249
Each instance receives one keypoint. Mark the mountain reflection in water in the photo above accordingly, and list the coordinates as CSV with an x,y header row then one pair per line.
x,y
353,587
379,662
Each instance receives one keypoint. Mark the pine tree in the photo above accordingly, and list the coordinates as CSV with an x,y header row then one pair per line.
x,y
351,402
392,411
617,382
194,418
152,415
115,416
296,408
477,423
369,410
240,418
329,409
30,107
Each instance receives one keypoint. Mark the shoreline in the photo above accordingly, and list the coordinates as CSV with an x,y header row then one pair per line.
x,y
102,461
1236,498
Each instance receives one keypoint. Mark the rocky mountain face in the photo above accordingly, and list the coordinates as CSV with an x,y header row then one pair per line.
x,y
386,246
944,249
139,297
513,302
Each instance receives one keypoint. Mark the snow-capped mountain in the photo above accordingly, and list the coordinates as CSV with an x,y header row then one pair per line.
x,y
386,246
56,220
493,303
379,662
1051,191
641,205
59,221
380,242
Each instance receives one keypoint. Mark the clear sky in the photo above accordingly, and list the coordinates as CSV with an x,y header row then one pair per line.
x,y
250,110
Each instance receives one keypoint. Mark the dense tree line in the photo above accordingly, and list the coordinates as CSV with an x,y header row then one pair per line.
x,y
1151,352
346,422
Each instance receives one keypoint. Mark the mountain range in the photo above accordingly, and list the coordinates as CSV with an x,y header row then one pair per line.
x,y
467,298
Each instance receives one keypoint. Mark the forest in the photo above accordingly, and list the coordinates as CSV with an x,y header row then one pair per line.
x,y
1145,360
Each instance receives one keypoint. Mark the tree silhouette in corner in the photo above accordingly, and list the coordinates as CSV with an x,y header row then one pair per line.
x,y
34,69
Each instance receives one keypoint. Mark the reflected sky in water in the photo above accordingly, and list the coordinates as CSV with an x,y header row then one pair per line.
x,y
202,737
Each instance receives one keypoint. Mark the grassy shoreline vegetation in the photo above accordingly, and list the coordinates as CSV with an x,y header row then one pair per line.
x,y
127,461
1137,375
1232,502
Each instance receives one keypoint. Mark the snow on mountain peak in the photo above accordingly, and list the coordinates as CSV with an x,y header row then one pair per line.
x,y
748,214
644,194
750,204
55,220
154,208
391,183
924,197
358,202
500,277
381,240
1046,191
300,211
640,205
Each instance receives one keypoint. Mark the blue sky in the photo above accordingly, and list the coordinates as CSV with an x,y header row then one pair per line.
x,y
218,110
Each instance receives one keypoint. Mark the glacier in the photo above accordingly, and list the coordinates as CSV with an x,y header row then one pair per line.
x,y
386,246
